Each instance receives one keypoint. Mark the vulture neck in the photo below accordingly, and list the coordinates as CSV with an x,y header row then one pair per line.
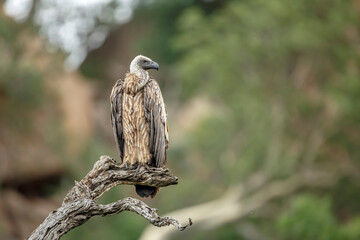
x,y
133,83
141,74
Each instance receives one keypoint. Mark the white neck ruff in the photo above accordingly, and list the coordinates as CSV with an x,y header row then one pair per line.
x,y
141,73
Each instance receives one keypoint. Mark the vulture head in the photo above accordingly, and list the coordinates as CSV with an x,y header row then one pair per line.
x,y
141,64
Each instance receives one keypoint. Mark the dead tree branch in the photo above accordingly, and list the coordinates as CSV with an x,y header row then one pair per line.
x,y
79,204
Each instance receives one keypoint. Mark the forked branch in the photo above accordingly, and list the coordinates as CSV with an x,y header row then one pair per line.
x,y
79,204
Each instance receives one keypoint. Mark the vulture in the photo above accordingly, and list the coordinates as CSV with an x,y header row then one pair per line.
x,y
138,117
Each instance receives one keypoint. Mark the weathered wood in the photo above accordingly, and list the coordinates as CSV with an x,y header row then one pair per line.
x,y
106,174
79,204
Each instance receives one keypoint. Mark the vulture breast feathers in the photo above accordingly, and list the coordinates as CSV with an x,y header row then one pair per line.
x,y
155,116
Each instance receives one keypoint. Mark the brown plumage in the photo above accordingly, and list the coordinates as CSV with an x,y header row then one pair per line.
x,y
138,118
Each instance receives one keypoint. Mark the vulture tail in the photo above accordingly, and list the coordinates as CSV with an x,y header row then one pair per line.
x,y
146,191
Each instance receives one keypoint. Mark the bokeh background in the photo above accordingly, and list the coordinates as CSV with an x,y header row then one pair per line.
x,y
263,100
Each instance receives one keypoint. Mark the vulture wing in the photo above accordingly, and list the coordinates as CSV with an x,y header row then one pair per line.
x,y
116,115
155,114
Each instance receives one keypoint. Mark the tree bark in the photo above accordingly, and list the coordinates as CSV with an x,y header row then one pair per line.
x,y
79,204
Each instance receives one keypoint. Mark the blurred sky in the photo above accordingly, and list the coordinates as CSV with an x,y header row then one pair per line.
x,y
76,27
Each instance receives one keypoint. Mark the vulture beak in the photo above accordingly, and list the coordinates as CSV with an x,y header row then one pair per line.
x,y
154,65
150,65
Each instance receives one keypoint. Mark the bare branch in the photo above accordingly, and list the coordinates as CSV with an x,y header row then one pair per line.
x,y
79,204
106,174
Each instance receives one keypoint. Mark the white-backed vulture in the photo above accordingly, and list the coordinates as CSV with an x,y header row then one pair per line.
x,y
138,117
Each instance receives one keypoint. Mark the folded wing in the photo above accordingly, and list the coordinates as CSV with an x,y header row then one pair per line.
x,y
155,114
116,115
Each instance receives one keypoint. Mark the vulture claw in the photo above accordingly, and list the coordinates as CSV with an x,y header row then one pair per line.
x,y
137,170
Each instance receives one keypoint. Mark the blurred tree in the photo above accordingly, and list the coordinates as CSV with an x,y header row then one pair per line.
x,y
21,86
275,72
163,16
310,217
285,76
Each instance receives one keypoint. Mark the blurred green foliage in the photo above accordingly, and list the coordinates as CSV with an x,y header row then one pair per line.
x,y
286,78
310,217
21,85
276,72
161,18
226,232
115,227
350,231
